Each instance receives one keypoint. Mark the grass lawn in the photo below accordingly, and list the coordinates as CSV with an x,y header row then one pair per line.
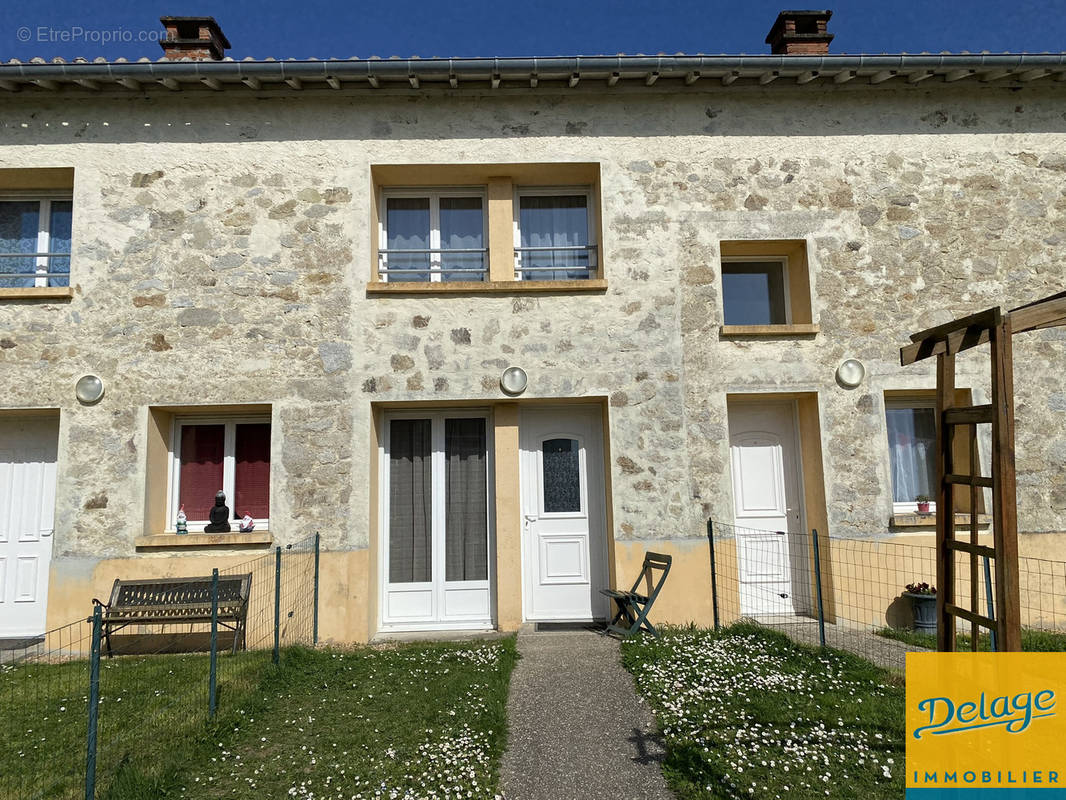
x,y
147,704
422,720
1032,641
748,713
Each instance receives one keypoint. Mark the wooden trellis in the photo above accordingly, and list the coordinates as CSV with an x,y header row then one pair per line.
x,y
996,328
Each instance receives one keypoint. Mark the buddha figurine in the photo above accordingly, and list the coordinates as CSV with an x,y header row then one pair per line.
x,y
219,516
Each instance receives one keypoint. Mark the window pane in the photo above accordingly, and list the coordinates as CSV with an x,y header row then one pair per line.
x,y
410,502
19,222
561,475
407,224
912,449
462,227
466,542
201,469
59,241
753,293
554,221
251,479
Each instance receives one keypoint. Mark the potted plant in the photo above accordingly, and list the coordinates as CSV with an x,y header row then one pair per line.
x,y
923,605
923,503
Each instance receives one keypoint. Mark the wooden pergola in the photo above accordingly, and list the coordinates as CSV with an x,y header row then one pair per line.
x,y
995,327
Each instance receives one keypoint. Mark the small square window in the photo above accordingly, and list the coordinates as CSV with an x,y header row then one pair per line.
x,y
553,238
911,450
35,241
226,453
433,235
755,292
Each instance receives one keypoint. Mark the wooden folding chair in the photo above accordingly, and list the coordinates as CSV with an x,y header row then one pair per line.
x,y
633,607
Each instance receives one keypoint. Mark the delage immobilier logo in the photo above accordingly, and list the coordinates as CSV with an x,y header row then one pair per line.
x,y
993,722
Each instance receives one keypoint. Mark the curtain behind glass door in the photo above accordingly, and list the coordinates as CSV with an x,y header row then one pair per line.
x,y
410,501
466,500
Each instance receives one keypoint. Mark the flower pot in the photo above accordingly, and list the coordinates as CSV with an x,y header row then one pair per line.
x,y
924,608
923,508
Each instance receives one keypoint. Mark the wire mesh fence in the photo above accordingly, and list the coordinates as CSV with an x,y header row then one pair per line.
x,y
91,707
852,594
44,700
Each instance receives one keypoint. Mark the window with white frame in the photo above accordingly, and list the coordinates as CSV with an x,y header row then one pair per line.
x,y
433,235
231,454
35,240
911,426
554,237
755,291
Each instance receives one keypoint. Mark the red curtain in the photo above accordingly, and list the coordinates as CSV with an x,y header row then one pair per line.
x,y
202,449
252,478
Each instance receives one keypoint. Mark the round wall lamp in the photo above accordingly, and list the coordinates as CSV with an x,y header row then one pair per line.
x,y
89,389
513,381
850,373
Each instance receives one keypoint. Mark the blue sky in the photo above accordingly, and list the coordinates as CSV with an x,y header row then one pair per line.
x,y
314,28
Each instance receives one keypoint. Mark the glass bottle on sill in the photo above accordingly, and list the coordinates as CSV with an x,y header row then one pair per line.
x,y
182,525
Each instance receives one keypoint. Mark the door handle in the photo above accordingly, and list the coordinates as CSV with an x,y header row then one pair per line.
x,y
531,517
45,534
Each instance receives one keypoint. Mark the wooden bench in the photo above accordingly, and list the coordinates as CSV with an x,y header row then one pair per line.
x,y
161,601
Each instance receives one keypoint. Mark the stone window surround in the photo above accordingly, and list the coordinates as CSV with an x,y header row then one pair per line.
x,y
158,523
50,181
500,182
793,253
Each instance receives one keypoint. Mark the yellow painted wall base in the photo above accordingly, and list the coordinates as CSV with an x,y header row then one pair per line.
x,y
343,588
686,595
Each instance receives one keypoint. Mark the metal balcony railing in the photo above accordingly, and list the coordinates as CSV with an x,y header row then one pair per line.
x,y
435,267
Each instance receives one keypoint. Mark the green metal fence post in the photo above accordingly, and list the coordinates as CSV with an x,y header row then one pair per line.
x,y
94,703
277,604
714,573
212,681
314,631
818,587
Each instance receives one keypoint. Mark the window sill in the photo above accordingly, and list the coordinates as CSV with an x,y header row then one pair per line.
x,y
766,331
486,287
38,293
173,541
915,520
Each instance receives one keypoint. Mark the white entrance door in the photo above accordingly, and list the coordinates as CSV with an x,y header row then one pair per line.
x,y
27,505
564,559
437,554
767,507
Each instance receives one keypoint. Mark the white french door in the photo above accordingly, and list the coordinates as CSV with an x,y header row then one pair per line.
x,y
27,506
767,508
437,548
564,559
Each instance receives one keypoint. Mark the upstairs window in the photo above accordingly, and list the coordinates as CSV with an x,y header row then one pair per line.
x,y
227,454
35,241
755,292
554,236
911,450
433,235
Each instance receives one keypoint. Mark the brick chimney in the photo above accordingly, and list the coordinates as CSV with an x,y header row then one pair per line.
x,y
800,33
196,38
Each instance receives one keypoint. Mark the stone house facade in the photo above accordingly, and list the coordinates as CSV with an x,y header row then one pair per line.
x,y
678,253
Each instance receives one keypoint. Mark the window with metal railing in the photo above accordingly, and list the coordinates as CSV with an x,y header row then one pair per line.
x,y
554,234
35,239
433,235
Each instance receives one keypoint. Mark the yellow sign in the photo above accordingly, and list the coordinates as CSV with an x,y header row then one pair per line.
x,y
986,721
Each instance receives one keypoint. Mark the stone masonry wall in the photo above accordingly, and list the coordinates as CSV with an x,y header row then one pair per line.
x,y
221,252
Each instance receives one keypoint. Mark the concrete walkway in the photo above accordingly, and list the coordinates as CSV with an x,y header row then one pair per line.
x,y
576,727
